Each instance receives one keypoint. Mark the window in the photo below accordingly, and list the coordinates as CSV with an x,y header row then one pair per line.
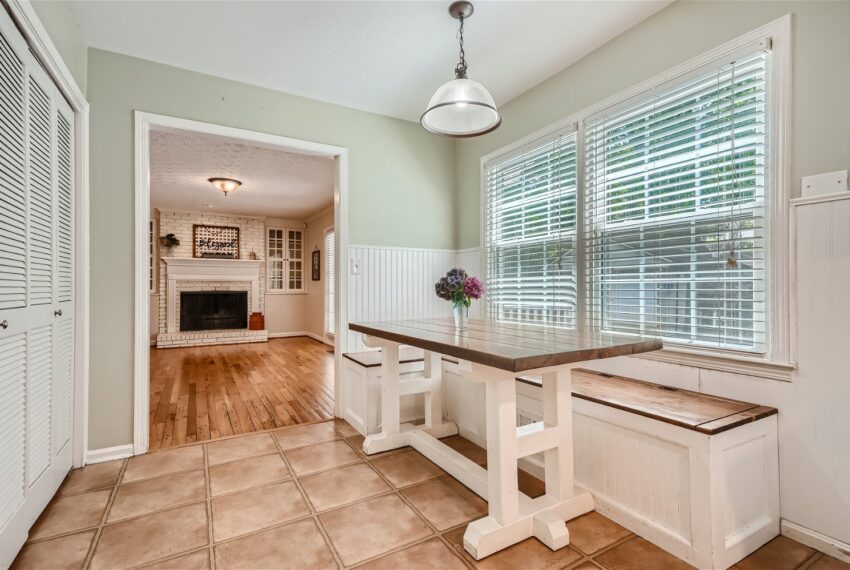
x,y
664,233
531,233
675,210
285,260
330,285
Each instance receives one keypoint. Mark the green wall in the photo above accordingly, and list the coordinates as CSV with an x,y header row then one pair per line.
x,y
61,23
401,191
820,120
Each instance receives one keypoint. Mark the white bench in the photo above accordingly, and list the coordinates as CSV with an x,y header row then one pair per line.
x,y
362,389
694,474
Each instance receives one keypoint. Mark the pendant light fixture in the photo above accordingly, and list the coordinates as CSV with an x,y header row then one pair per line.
x,y
226,185
462,107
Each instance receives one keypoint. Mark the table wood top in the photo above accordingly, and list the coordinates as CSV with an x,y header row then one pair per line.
x,y
507,346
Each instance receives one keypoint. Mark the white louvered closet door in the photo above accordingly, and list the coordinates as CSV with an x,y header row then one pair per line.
x,y
36,288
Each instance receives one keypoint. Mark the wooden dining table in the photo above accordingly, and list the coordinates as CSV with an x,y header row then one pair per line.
x,y
495,354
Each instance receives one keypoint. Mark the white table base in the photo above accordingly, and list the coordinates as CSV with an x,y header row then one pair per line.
x,y
512,516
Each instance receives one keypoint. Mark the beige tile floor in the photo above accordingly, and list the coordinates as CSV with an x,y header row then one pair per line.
x,y
307,497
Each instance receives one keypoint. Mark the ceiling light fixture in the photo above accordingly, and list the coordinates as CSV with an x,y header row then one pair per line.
x,y
226,185
462,107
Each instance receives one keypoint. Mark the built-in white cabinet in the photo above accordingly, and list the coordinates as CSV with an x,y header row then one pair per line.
x,y
36,288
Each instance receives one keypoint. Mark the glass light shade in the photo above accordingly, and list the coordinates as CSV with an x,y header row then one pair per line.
x,y
225,184
461,108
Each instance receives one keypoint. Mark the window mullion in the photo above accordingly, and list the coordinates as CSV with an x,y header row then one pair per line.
x,y
584,295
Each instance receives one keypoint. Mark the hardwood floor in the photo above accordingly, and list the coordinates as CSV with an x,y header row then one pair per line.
x,y
204,393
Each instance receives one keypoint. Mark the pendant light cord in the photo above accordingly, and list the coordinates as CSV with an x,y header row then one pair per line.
x,y
460,70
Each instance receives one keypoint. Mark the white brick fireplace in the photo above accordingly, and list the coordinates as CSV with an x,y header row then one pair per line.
x,y
203,274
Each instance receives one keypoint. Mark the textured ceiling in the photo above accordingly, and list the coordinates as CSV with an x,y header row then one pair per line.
x,y
386,57
274,183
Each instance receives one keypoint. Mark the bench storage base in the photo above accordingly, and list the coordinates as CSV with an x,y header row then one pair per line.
x,y
710,500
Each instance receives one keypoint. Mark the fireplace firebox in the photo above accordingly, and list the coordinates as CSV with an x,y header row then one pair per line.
x,y
213,310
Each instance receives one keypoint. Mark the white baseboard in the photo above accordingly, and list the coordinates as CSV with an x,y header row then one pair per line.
x,y
814,539
109,453
298,333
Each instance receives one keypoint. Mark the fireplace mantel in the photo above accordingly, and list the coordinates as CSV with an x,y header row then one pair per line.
x,y
207,269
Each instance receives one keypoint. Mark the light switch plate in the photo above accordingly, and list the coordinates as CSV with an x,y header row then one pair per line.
x,y
826,183
355,267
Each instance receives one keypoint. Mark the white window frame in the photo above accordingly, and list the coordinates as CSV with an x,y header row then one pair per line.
x,y
779,360
285,290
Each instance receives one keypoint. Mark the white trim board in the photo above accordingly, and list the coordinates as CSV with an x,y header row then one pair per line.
x,y
816,540
144,123
109,453
44,49
294,334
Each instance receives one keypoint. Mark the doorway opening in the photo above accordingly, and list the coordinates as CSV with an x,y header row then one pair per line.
x,y
234,331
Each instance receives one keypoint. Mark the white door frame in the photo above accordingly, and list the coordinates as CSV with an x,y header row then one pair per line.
x,y
45,51
145,122
325,298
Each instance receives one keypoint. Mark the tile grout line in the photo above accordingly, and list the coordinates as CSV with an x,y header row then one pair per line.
x,y
397,492
90,555
313,515
211,551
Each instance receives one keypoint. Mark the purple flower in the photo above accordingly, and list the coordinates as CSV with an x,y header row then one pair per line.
x,y
456,277
473,288
442,289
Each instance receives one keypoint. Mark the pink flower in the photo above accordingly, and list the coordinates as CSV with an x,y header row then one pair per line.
x,y
473,288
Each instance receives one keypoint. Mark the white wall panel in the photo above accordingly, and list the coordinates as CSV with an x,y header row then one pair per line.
x,y
398,283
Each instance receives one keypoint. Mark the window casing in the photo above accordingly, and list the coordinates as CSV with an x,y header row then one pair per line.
x,y
285,260
673,192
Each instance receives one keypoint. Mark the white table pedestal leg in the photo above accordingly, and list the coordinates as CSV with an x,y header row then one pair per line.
x,y
390,436
434,397
513,518
393,433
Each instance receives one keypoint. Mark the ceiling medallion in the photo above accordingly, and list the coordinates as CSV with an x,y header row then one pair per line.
x,y
462,107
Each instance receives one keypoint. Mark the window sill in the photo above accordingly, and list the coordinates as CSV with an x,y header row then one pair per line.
x,y
276,292
734,364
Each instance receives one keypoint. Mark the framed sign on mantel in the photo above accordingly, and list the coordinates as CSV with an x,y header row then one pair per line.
x,y
217,242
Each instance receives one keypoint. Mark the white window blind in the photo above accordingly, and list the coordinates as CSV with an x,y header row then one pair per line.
x,y
531,232
675,210
330,249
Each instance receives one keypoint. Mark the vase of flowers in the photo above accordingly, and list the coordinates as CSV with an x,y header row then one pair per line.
x,y
459,288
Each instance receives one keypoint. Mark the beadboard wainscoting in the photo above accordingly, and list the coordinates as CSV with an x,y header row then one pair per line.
x,y
398,283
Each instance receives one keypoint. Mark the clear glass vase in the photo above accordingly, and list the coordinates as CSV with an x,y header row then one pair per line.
x,y
461,315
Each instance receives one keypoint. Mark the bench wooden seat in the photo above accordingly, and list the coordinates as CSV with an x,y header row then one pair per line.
x,y
684,408
407,355
372,358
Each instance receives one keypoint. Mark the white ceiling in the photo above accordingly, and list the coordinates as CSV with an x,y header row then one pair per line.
x,y
275,184
385,57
